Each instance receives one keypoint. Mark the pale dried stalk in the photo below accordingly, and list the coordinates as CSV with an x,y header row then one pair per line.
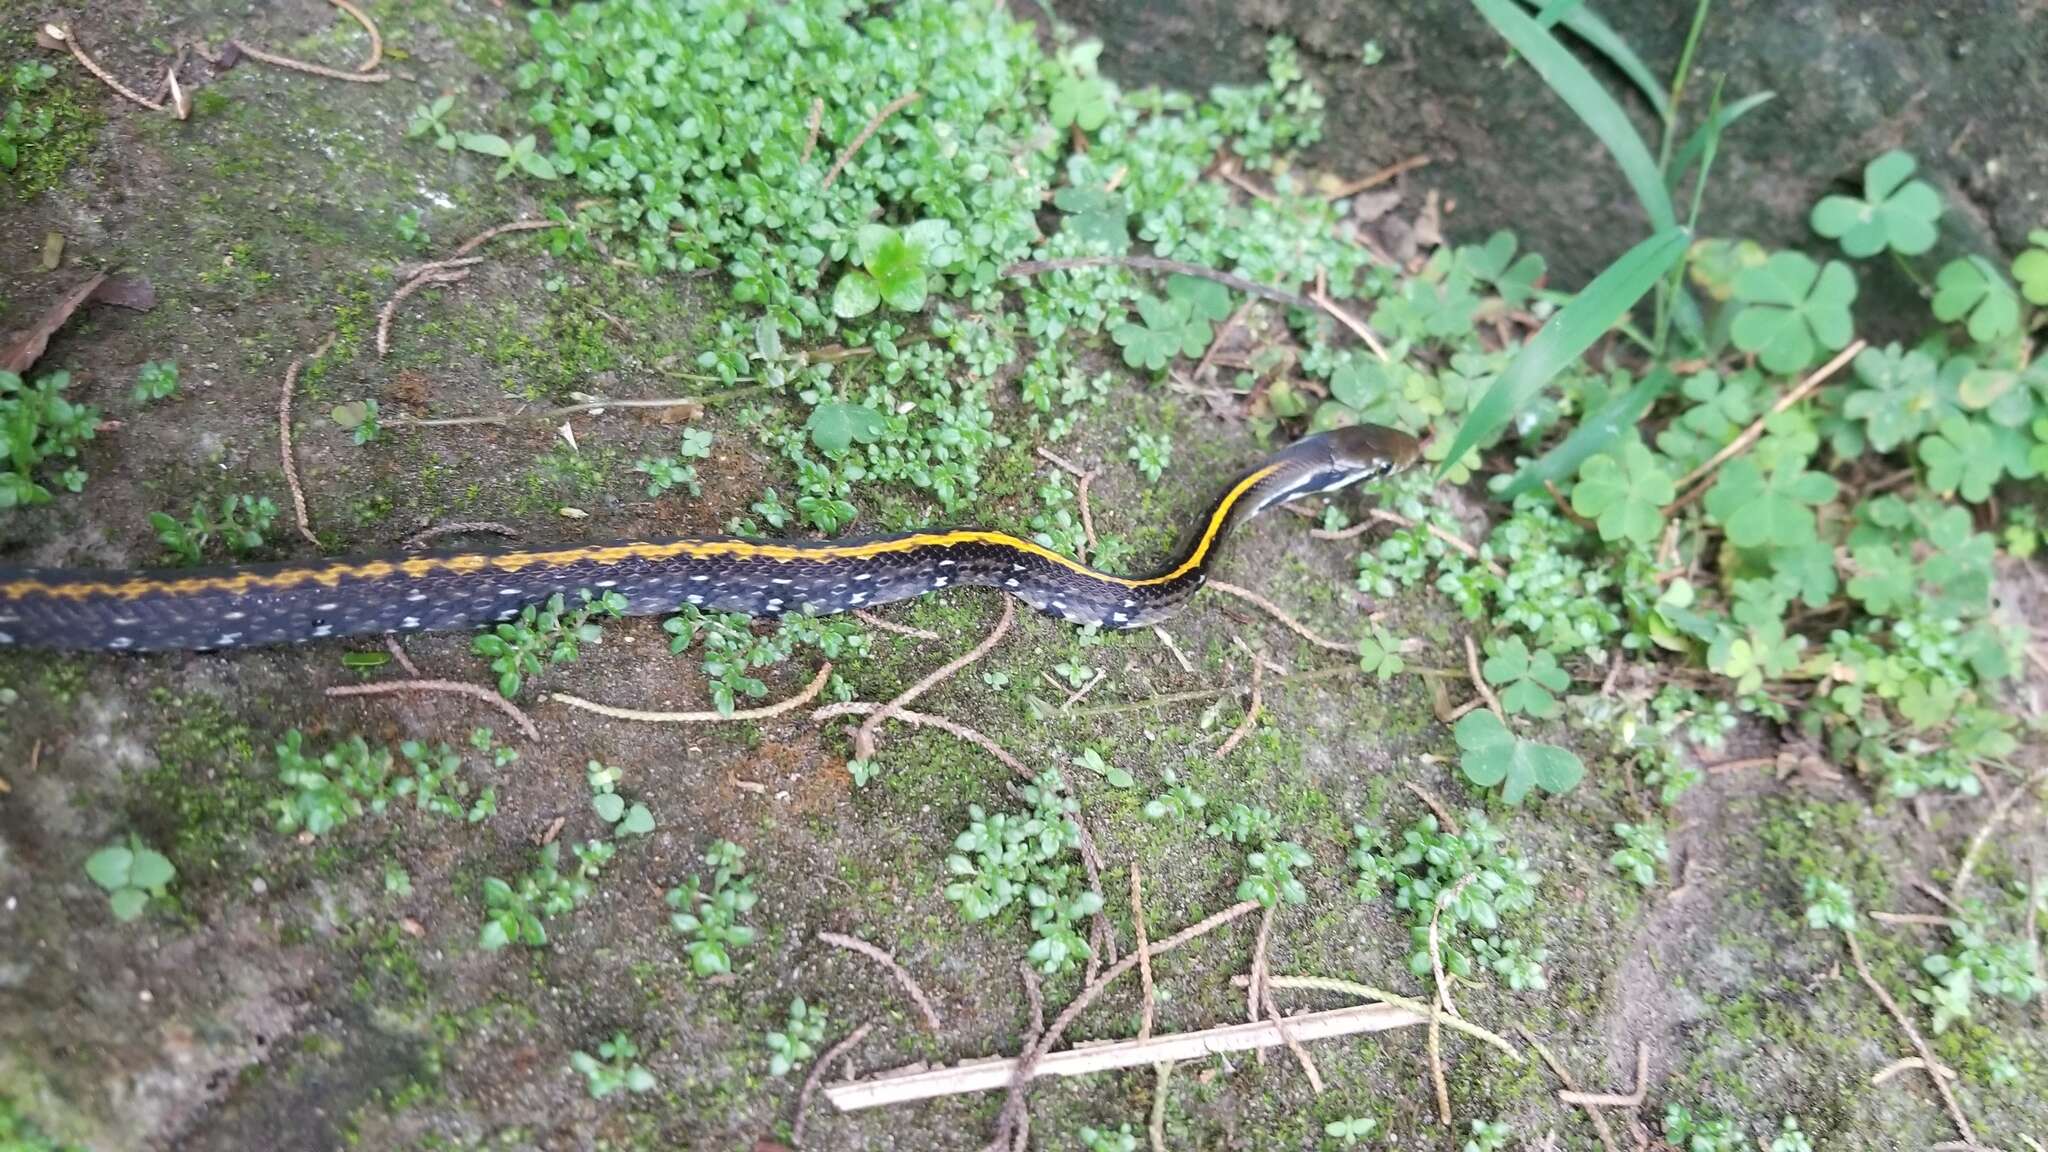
x,y
926,720
1251,719
1612,1100
1479,681
765,712
910,986
455,687
1983,836
442,275
1751,434
1147,1012
803,1097
321,70
64,35
1948,1098
1286,621
284,448
864,739
873,125
376,54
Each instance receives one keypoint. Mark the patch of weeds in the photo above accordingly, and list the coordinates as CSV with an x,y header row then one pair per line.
x,y
1488,1136
1105,1140
1004,857
1974,964
1153,454
1701,1133
1349,1130
516,914
131,875
666,472
1270,861
1492,754
797,1041
545,635
1643,851
616,1068
238,526
1478,887
732,652
1179,801
20,1134
329,789
156,380
358,418
710,916
625,819
43,430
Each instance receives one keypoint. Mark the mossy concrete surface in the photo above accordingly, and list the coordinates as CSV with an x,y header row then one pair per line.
x,y
286,996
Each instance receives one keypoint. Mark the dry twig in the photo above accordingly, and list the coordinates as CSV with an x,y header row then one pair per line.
x,y
376,53
1443,814
1358,327
1948,1098
1244,727
1179,656
1983,836
1479,681
765,712
1906,1064
817,122
1150,1006
1611,1100
1751,434
455,687
442,275
917,996
284,448
321,70
803,1097
1294,1045
1156,1129
1557,1068
864,738
397,651
1286,621
926,720
876,622
63,35
888,110
1347,191
1451,539
1405,1003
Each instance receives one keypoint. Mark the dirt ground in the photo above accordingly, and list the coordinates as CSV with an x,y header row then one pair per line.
x,y
286,999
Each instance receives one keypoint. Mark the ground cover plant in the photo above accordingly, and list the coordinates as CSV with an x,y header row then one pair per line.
x,y
1683,694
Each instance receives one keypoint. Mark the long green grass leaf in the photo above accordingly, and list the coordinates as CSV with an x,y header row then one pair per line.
x,y
1696,144
1593,434
1601,37
1593,104
1567,336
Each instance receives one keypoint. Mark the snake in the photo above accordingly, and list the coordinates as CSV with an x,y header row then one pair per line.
x,y
270,604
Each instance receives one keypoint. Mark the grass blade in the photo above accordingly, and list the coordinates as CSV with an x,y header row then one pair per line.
x,y
1595,106
1593,434
1601,37
1696,144
1567,336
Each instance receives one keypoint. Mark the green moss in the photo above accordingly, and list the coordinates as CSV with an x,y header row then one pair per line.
x,y
74,105
204,798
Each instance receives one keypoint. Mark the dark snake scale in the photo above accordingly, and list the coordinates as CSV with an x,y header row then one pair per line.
x,y
244,606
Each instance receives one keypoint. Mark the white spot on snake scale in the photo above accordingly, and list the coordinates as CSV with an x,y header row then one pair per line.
x,y
323,632
233,615
696,599
327,607
511,592
122,642
607,584
6,637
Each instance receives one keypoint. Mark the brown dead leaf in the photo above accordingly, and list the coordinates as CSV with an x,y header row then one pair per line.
x,y
20,354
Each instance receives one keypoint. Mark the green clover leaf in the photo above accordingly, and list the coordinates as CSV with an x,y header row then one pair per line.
x,y
1972,288
1624,497
1791,309
1380,654
1494,755
1895,212
1961,457
1903,394
1203,299
2030,268
1806,571
1749,658
835,426
1883,582
1099,219
1525,682
2039,458
1081,97
1759,509
896,264
1168,331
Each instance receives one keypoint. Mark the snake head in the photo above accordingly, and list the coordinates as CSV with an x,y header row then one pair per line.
x,y
1370,450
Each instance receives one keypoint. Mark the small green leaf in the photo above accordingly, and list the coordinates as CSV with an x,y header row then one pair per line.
x,y
151,871
2030,268
1792,309
835,426
1895,212
1901,395
855,295
1775,509
1098,218
638,821
128,903
1972,288
1526,682
898,270
1625,497
109,867
485,143
1961,457
609,805
1494,755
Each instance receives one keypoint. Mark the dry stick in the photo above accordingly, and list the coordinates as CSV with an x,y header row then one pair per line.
x,y
873,621
1392,999
1023,268
397,651
1293,1042
1144,957
1358,327
1087,517
63,34
1157,1128
864,739
1600,1127
530,224
457,687
1449,538
1442,1002
1062,463
926,720
442,275
803,1096
1209,354
1179,656
1741,765
1611,1100
1479,681
917,996
817,122
1027,1063
1078,694
255,53
1356,530
1917,919
1983,836
284,448
765,712
1244,727
1948,1099
565,410
1289,622
459,527
376,55
1435,805
1347,191
888,110
1906,1064
1750,434
1255,983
